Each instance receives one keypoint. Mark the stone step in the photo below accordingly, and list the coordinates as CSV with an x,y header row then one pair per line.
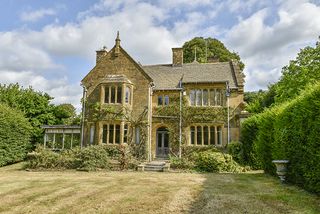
x,y
158,166
153,168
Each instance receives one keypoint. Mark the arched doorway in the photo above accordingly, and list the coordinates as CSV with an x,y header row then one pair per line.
x,y
162,142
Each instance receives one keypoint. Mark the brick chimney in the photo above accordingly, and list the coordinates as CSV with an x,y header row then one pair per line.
x,y
100,53
177,56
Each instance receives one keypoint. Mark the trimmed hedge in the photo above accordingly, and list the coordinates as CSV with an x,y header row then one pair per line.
x,y
289,131
15,132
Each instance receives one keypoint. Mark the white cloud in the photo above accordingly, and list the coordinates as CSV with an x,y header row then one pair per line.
x,y
33,16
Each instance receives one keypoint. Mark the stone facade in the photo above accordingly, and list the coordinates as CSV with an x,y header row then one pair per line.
x,y
129,103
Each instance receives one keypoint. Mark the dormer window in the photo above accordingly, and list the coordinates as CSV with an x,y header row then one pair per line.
x,y
163,100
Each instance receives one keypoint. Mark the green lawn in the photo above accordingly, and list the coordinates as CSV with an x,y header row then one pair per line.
x,y
136,192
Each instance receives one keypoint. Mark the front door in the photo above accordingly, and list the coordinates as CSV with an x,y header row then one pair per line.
x,y
162,142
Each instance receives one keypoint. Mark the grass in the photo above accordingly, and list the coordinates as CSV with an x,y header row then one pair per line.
x,y
136,192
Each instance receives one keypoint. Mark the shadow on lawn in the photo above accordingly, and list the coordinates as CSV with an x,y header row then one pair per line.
x,y
252,193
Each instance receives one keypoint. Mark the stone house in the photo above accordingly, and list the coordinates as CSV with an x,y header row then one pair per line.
x,y
163,107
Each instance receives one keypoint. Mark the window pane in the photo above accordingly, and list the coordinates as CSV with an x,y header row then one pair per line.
x,y
137,135
219,133
212,135
91,134
160,101
104,133
205,135
113,94
117,134
192,97
192,134
212,97
205,97
119,94
223,98
199,135
127,98
106,94
218,97
166,140
166,100
111,128
125,133
199,97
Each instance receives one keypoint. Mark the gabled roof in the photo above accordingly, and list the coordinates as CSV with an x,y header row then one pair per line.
x,y
167,76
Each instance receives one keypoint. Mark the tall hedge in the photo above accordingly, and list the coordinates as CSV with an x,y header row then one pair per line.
x,y
289,131
15,131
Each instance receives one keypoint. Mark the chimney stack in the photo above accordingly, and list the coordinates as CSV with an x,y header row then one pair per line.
x,y
101,53
177,56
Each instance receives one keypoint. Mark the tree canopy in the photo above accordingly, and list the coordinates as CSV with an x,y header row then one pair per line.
x,y
304,70
36,107
208,48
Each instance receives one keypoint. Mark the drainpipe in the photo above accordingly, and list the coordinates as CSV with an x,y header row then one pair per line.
x,y
228,106
180,117
150,120
84,94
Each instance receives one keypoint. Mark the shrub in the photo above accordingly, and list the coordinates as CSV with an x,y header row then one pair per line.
x,y
249,130
88,159
235,149
189,151
181,163
209,161
15,132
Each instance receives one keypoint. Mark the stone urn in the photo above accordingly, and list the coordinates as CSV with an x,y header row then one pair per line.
x,y
281,168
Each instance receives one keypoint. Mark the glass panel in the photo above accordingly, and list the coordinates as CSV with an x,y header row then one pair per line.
x,y
127,98
160,101
199,135
192,97
199,97
76,140
137,135
212,135
212,97
91,134
166,140
224,97
166,100
106,94
113,94
117,134
119,94
125,133
58,144
104,133
192,135
205,97
67,141
219,133
205,135
111,128
159,139
218,97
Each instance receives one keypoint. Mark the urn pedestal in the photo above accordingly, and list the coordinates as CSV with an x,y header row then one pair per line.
x,y
281,168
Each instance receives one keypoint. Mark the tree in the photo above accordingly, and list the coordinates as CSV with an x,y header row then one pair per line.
x,y
36,107
66,114
258,101
15,131
304,70
208,48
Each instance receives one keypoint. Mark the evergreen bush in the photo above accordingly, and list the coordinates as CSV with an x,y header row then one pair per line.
x,y
15,132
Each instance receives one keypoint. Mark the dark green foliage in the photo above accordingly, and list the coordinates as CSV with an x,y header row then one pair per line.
x,y
235,149
15,133
260,100
66,114
299,73
249,130
36,108
188,151
87,159
215,49
209,161
289,131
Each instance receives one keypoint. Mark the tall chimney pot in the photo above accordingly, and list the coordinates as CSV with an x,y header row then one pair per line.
x,y
177,56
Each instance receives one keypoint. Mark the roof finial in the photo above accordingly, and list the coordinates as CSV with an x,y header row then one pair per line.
x,y
195,54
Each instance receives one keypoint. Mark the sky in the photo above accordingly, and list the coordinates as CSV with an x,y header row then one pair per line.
x,y
50,45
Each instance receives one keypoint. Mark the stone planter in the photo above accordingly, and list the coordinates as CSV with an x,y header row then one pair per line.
x,y
281,168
